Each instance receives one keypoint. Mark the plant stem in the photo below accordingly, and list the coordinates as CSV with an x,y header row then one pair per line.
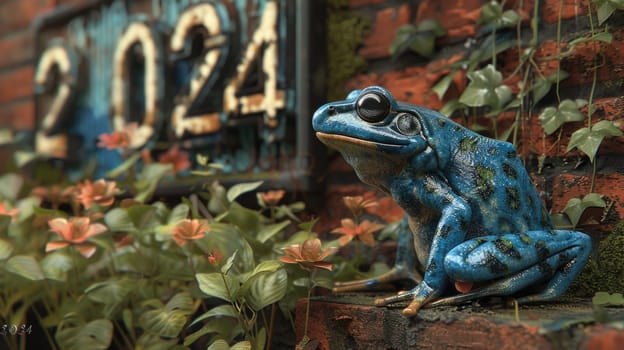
x,y
307,315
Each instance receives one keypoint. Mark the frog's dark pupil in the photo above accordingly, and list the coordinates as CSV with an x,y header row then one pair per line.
x,y
407,124
372,107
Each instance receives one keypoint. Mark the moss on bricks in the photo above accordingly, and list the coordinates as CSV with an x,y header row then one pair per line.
x,y
346,31
604,272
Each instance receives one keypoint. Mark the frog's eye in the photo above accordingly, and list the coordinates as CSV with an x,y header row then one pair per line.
x,y
408,124
372,107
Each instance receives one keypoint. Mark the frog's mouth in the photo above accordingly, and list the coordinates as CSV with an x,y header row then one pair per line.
x,y
334,140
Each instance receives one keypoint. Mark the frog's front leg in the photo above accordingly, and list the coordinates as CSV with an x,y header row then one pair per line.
x,y
455,214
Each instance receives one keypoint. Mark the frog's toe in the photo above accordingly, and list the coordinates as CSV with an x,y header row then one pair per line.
x,y
412,309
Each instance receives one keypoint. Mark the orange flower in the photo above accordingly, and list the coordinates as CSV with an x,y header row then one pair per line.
x,y
215,257
188,229
364,231
308,255
357,204
101,192
9,212
75,231
271,198
179,159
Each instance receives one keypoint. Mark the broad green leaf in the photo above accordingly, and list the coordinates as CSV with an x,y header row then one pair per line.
x,y
568,111
225,269
265,288
246,219
588,140
143,216
110,291
179,213
151,341
125,166
240,189
10,185
260,340
6,248
25,266
267,232
96,335
486,88
118,220
149,178
576,206
169,320
451,106
490,12
225,310
221,344
56,265
24,157
218,285
227,328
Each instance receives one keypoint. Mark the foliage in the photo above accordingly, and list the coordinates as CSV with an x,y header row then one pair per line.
x,y
604,271
419,39
100,264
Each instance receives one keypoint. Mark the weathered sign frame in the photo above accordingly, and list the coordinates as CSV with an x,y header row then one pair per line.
x,y
71,59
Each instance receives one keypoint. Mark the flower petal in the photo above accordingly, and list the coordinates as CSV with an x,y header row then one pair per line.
x,y
86,249
55,245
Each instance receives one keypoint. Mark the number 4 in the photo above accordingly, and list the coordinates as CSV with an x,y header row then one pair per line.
x,y
272,99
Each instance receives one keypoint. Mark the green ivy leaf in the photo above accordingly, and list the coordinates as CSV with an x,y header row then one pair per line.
x,y
96,335
179,213
486,88
605,8
419,39
442,85
492,12
589,139
6,249
267,232
221,344
576,206
118,220
25,266
225,269
217,285
568,111
604,36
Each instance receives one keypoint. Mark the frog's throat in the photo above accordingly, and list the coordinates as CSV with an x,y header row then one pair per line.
x,y
333,139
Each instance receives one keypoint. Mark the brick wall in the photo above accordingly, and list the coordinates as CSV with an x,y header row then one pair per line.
x,y
409,78
562,175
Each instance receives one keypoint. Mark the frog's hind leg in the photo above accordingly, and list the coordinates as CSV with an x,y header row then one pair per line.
x,y
553,256
404,267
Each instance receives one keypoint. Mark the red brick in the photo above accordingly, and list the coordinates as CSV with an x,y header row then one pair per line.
x,y
568,186
604,339
571,9
16,48
413,84
19,115
19,14
377,44
16,83
458,17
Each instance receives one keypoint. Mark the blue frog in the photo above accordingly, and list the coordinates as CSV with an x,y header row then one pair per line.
x,y
472,216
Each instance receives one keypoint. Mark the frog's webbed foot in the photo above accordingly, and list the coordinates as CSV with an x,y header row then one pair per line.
x,y
397,273
421,295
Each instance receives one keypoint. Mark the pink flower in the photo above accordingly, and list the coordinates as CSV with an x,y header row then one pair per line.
x,y
75,231
114,140
188,229
271,198
357,204
101,192
308,255
178,158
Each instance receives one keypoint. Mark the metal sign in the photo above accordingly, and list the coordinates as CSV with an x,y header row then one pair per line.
x,y
227,79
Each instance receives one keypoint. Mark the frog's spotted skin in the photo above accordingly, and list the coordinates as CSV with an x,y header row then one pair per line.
x,y
472,214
